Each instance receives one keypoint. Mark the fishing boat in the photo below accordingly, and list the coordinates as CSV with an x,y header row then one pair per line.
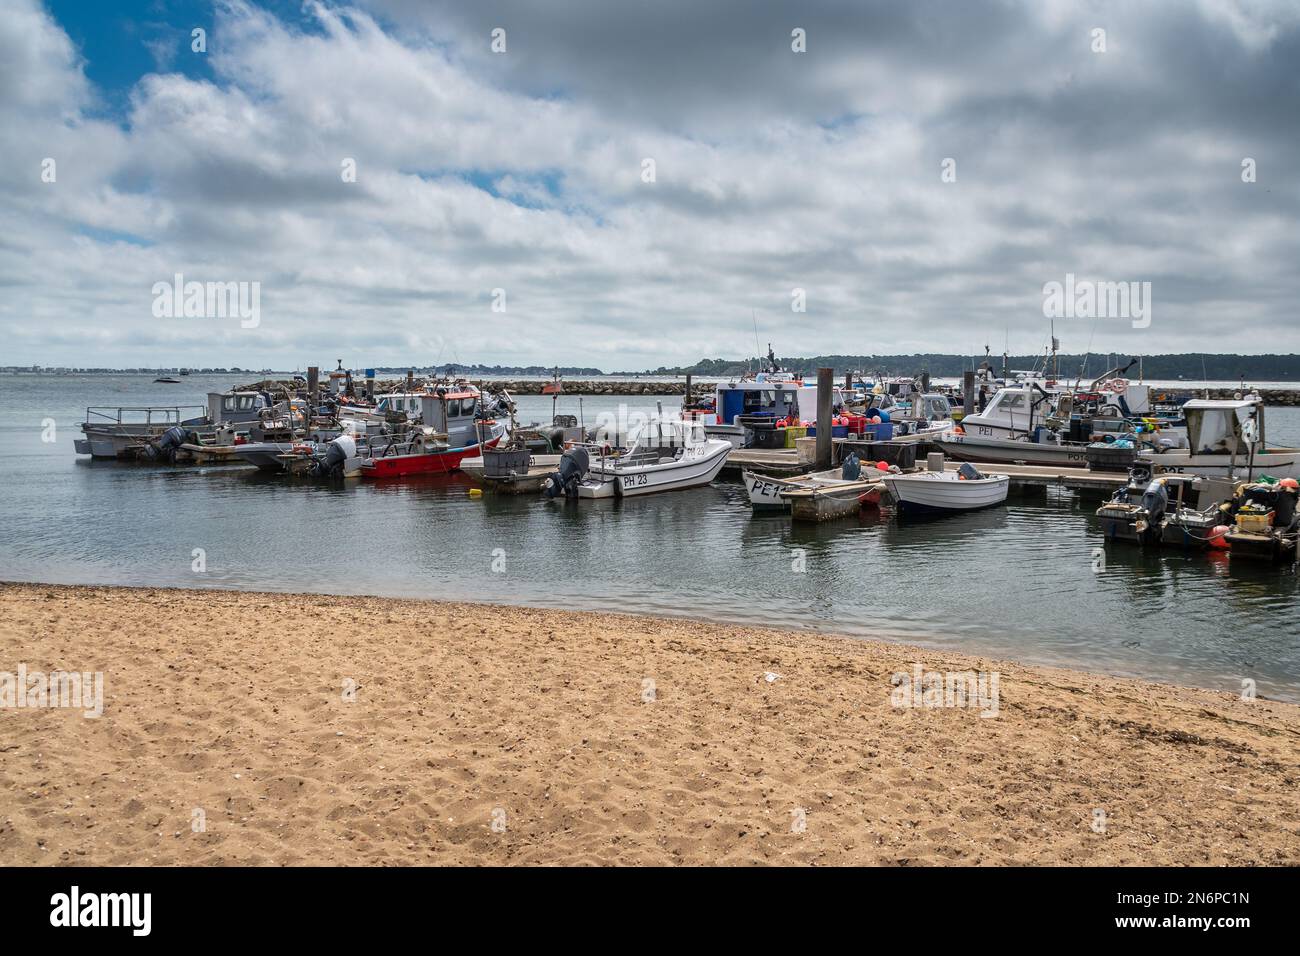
x,y
663,454
1226,439
1030,423
126,431
817,496
511,479
941,492
451,431
1266,521
825,496
1135,512
746,412
150,432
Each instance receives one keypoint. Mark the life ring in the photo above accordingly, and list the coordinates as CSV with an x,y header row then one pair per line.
x,y
1118,385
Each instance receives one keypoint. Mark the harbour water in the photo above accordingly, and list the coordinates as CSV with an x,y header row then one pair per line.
x,y
1015,582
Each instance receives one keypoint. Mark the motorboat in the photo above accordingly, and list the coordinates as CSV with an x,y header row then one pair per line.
x,y
1265,521
746,411
965,489
1029,423
451,430
661,454
1226,439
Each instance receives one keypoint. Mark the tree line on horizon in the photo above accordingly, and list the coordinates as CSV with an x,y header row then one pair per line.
x,y
1190,366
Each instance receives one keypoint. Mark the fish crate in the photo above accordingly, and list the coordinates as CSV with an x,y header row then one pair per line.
x,y
503,462
1109,458
1255,522
792,432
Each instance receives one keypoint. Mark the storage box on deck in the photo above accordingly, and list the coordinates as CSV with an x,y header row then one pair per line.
x,y
807,449
884,431
767,436
902,454
1257,522
837,431
794,433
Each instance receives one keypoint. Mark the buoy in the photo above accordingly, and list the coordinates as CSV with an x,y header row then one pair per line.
x,y
882,466
476,492
1218,540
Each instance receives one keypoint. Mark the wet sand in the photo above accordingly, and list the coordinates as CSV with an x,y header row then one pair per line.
x,y
301,729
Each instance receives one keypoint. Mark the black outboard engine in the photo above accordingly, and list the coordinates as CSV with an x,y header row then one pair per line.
x,y
166,445
339,451
1155,500
564,480
852,469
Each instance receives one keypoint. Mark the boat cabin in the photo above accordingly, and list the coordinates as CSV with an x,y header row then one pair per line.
x,y
1224,427
403,403
766,395
236,408
451,412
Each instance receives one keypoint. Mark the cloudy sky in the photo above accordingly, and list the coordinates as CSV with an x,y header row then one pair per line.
x,y
525,171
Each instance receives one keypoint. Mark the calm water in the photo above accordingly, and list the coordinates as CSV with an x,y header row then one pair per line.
x,y
1013,582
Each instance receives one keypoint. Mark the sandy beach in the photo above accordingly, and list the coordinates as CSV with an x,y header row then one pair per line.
x,y
245,728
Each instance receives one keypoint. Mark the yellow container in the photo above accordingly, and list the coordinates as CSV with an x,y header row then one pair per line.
x,y
793,432
1254,522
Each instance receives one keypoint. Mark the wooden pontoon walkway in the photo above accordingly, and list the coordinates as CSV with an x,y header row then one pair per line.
x,y
781,462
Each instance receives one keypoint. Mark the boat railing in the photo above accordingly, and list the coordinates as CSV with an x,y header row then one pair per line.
x,y
153,414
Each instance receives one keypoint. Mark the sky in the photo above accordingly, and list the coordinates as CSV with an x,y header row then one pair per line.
x,y
628,186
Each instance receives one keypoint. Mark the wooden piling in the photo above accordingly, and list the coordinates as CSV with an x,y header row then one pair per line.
x,y
825,390
968,392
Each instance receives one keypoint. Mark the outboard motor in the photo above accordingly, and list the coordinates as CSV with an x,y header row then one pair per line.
x,y
1155,500
573,466
339,451
166,445
852,470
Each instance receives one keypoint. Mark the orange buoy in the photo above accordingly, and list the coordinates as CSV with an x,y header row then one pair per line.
x,y
1218,538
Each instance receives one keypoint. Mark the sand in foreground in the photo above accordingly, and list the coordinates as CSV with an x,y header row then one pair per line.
x,y
512,735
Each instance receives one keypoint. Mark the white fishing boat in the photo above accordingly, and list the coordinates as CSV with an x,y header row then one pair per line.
x,y
664,454
936,492
1226,440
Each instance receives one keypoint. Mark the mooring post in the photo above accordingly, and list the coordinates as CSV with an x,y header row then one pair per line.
x,y
313,388
686,399
967,393
825,388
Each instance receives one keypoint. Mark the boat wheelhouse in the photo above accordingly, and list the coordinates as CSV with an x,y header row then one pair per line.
x,y
1226,439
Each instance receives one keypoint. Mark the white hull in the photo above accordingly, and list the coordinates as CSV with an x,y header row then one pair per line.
x,y
764,492
944,491
1009,451
699,465
1280,463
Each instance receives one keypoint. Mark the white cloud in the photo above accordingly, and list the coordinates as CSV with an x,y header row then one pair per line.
x,y
1066,162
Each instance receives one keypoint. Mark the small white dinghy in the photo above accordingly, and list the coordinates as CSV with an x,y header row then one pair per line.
x,y
942,492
